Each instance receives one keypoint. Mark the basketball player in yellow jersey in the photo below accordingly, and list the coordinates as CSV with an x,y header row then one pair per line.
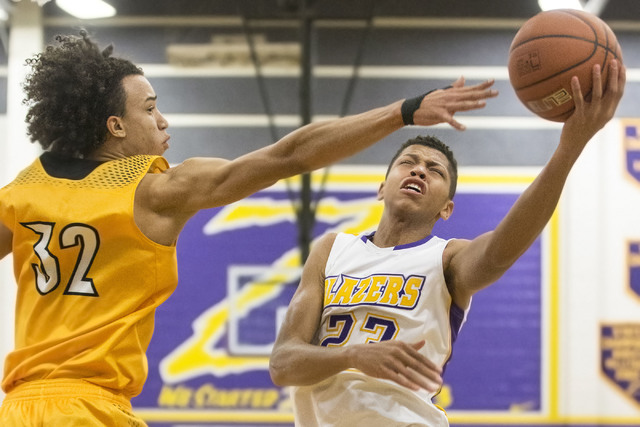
x,y
93,222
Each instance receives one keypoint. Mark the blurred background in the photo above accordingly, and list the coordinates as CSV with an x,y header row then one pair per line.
x,y
234,76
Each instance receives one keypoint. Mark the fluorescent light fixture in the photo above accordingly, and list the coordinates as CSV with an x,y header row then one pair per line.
x,y
560,4
87,9
5,10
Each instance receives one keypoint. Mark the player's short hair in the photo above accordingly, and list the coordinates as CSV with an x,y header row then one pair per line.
x,y
72,89
433,142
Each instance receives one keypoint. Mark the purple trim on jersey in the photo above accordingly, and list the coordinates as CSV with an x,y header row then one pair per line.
x,y
366,237
456,317
414,244
369,237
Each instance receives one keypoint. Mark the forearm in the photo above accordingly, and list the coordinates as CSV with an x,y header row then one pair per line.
x,y
302,364
319,144
473,265
534,208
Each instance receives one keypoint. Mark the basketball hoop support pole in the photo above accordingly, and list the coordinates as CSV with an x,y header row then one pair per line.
x,y
305,213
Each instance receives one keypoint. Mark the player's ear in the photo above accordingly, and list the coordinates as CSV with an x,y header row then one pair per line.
x,y
116,127
381,191
447,210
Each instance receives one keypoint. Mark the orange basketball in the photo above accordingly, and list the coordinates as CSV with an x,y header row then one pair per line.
x,y
551,48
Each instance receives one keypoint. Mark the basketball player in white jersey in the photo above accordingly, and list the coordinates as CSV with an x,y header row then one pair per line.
x,y
372,322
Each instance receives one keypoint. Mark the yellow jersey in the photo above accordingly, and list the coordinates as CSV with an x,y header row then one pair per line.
x,y
89,281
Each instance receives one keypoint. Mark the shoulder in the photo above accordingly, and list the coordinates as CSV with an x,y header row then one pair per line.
x,y
324,244
335,244
454,248
451,251
320,252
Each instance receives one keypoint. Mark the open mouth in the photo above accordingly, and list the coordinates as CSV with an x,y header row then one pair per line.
x,y
414,186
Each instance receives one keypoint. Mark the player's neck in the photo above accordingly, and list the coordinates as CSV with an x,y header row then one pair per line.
x,y
397,232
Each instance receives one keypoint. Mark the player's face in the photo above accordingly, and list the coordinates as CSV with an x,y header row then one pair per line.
x,y
144,125
419,179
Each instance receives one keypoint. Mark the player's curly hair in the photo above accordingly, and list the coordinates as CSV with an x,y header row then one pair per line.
x,y
72,89
432,142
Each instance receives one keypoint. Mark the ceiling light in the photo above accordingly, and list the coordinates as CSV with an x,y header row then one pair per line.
x,y
5,10
87,9
559,4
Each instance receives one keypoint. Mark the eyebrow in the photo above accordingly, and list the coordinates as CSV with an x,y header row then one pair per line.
x,y
151,98
428,162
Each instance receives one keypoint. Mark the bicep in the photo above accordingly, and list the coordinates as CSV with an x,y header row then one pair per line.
x,y
303,315
6,239
305,309
201,183
468,267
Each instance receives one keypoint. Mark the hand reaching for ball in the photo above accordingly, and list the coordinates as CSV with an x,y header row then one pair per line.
x,y
591,116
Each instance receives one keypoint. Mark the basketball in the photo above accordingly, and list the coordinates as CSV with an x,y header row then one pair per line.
x,y
551,48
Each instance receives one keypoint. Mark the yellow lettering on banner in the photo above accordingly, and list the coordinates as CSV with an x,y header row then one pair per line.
x,y
374,290
175,397
344,292
636,165
270,398
230,399
361,292
328,286
204,396
411,292
391,293
207,396
245,398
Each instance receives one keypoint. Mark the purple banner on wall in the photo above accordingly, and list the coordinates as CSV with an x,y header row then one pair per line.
x,y
620,357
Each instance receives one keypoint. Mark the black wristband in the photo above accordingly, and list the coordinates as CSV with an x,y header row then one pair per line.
x,y
409,106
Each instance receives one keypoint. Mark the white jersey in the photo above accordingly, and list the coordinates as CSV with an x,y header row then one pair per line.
x,y
374,294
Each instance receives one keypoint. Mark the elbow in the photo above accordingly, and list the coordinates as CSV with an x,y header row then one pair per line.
x,y
277,372
276,378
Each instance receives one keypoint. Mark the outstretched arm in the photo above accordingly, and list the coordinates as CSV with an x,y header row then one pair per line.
x,y
472,265
297,360
5,241
204,183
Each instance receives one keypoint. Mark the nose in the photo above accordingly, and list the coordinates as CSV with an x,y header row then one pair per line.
x,y
418,171
162,122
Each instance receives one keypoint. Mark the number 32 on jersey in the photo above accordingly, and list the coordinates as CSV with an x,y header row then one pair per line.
x,y
47,272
